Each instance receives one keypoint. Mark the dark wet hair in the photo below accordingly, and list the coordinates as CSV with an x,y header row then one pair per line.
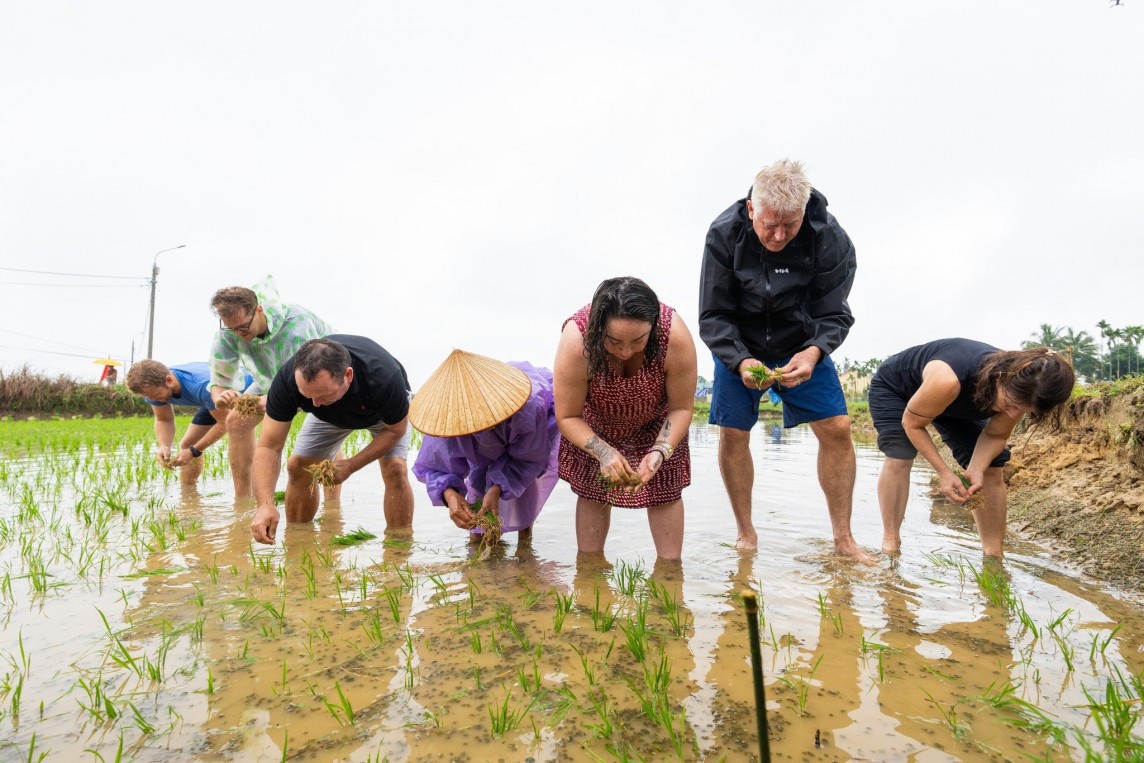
x,y
319,355
1038,377
625,297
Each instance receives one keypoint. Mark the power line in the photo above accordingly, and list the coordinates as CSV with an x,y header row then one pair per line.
x,y
46,352
79,285
79,275
51,341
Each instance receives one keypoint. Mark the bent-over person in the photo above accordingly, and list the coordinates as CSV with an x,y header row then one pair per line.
x,y
185,384
343,383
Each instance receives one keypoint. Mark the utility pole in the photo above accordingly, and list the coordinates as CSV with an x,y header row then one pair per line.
x,y
154,280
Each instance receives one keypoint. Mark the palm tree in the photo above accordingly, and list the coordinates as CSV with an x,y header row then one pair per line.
x,y
1049,336
1109,333
1133,335
1082,349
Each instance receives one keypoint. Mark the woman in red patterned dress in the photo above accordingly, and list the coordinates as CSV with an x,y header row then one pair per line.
x,y
624,389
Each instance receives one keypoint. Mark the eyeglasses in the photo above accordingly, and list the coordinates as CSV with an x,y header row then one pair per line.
x,y
244,328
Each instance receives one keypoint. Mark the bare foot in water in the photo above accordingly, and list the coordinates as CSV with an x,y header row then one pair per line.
x,y
855,551
747,542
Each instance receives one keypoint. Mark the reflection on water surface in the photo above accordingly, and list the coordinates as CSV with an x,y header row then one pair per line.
x,y
137,614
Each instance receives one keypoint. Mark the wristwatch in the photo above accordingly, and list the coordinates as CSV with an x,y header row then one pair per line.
x,y
195,452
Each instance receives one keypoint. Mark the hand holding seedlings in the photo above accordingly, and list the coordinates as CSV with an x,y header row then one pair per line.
x,y
756,375
488,520
459,510
616,471
163,456
953,486
324,473
247,406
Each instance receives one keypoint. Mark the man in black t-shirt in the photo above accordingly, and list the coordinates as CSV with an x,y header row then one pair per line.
x,y
344,383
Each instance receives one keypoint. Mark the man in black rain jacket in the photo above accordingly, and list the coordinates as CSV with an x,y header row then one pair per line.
x,y
777,271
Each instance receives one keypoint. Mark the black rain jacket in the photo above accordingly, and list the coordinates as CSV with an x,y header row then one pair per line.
x,y
754,303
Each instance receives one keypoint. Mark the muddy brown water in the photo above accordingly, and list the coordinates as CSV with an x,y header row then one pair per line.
x,y
411,646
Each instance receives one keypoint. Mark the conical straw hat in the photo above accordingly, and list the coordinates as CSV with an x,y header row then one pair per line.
x,y
468,393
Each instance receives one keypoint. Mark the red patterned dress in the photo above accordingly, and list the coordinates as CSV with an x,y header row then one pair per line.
x,y
628,413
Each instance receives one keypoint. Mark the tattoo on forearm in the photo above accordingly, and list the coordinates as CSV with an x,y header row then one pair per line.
x,y
664,431
598,447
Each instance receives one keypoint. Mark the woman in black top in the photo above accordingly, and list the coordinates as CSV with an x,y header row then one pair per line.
x,y
974,395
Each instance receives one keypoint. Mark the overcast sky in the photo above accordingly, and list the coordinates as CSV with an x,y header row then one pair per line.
x,y
440,175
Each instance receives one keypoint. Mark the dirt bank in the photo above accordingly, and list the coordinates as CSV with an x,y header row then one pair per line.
x,y
1081,490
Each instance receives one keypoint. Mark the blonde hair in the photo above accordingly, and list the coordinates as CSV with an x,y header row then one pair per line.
x,y
782,187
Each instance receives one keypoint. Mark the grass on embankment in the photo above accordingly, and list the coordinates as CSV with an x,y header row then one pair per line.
x,y
25,393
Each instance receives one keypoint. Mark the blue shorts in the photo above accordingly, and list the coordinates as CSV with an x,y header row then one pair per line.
x,y
734,404
204,416
887,408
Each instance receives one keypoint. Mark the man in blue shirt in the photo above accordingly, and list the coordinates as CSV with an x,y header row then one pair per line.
x,y
187,384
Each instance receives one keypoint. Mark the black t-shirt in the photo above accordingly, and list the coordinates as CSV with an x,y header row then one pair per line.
x,y
379,390
902,373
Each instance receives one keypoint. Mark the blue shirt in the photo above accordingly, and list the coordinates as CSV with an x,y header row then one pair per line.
x,y
195,380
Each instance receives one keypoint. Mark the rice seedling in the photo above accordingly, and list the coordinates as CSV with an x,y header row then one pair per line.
x,y
359,535
141,722
283,681
801,686
950,718
563,607
635,638
342,711
530,682
1068,651
442,590
407,577
678,618
1100,645
393,598
628,577
994,583
489,523
761,374
605,713
531,597
603,619
475,642
503,718
118,753
323,473
246,407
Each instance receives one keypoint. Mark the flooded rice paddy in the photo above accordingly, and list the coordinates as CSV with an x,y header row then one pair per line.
x,y
138,622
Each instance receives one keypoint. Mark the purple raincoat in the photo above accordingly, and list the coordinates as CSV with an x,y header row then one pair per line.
x,y
519,454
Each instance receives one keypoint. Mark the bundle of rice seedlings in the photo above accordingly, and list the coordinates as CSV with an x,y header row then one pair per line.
x,y
246,407
975,500
633,481
323,473
360,535
763,374
490,525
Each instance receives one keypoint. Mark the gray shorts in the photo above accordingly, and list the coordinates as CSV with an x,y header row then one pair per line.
x,y
317,439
